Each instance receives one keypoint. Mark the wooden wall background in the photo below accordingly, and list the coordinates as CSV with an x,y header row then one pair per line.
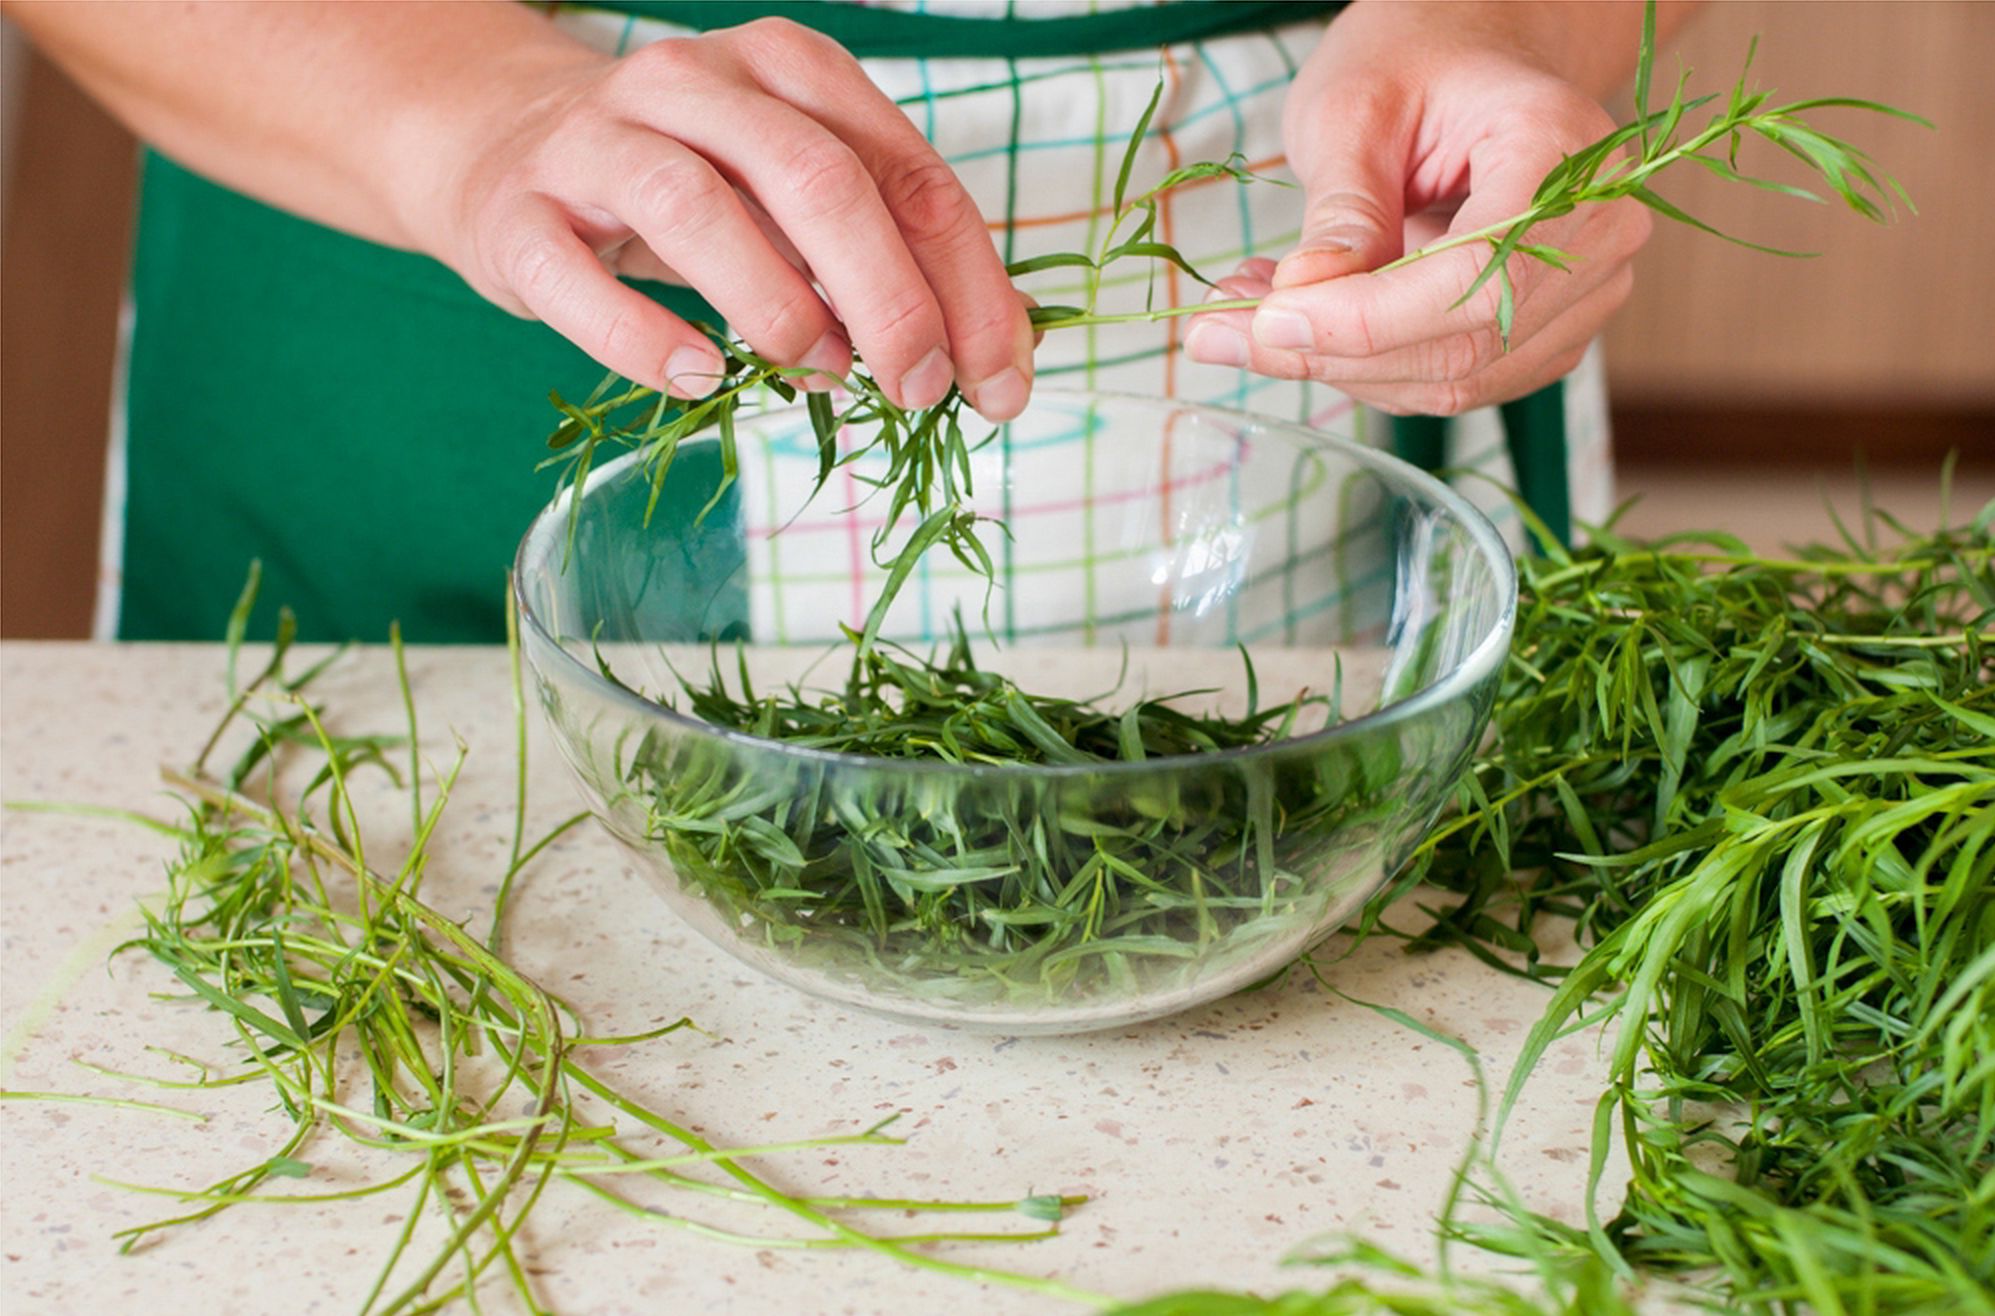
x,y
68,205
1886,316
1886,343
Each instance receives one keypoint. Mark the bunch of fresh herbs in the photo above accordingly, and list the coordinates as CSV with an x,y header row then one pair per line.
x,y
1763,790
1099,883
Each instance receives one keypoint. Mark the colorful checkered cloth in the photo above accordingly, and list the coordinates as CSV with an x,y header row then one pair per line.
x,y
1037,142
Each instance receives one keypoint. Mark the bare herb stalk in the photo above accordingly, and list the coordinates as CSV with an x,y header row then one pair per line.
x,y
315,948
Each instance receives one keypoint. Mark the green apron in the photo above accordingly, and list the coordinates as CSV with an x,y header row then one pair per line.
x,y
365,424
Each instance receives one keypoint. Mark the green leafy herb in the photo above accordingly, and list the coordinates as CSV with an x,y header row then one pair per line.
x,y
924,467
1624,164
926,453
1140,242
1764,790
1088,886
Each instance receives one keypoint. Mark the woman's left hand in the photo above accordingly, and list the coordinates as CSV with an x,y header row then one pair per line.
x,y
1404,113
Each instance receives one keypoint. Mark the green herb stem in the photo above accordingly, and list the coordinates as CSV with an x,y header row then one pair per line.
x,y
119,1103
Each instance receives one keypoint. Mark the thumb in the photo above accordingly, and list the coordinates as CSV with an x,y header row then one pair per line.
x,y
1355,192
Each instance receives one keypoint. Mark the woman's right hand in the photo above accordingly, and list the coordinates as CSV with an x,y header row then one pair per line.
x,y
746,164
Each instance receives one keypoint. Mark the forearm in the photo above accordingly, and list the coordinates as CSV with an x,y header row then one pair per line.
x,y
1590,43
352,114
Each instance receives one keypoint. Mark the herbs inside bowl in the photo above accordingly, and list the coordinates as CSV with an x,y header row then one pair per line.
x,y
1197,746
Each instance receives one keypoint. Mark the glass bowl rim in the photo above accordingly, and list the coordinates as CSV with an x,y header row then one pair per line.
x,y
1481,662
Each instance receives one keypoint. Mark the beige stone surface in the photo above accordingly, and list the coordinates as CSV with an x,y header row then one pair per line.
x,y
1210,1144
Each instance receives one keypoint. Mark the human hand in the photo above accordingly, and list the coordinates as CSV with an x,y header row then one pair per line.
x,y
745,163
1405,110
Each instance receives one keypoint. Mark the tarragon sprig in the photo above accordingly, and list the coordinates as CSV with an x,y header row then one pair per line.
x,y
1142,242
374,1021
927,453
1602,172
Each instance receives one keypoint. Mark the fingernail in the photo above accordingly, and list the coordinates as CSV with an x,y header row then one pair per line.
x,y
692,372
1002,396
1338,239
1284,329
928,382
1216,344
1218,294
830,356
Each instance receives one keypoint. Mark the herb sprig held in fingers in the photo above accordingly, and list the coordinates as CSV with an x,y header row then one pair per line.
x,y
1623,165
927,451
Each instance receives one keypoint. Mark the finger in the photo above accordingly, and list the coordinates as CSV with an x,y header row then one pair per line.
x,y
634,260
824,200
1521,380
556,278
1471,357
989,335
1353,166
1506,167
1222,338
1248,282
1258,268
637,261
777,238
1551,355
1454,358
1226,342
1430,298
692,220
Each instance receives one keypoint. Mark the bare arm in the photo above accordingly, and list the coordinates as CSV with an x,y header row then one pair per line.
x,y
1590,43
326,108
750,161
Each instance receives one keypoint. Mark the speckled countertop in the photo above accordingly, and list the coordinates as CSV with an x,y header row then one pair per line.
x,y
1210,1145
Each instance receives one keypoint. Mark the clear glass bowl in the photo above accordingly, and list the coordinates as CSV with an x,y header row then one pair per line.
x,y
1152,542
